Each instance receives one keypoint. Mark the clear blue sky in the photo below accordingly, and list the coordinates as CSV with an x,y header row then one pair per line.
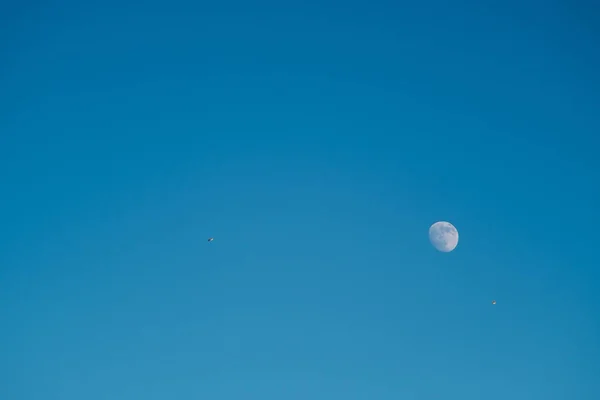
x,y
316,141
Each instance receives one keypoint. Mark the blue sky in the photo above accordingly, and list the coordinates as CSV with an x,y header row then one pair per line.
x,y
317,142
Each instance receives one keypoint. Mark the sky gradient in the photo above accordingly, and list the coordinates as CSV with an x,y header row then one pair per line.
x,y
316,141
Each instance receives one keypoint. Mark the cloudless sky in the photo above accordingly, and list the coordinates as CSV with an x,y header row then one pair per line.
x,y
316,141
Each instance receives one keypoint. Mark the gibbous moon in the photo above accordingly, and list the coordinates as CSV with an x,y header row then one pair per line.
x,y
443,236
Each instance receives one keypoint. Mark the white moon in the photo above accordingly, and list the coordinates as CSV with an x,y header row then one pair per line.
x,y
443,236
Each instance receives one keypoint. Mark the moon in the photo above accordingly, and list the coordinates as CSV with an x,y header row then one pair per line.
x,y
443,236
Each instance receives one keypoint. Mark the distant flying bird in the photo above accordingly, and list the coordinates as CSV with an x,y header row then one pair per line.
x,y
493,301
211,239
